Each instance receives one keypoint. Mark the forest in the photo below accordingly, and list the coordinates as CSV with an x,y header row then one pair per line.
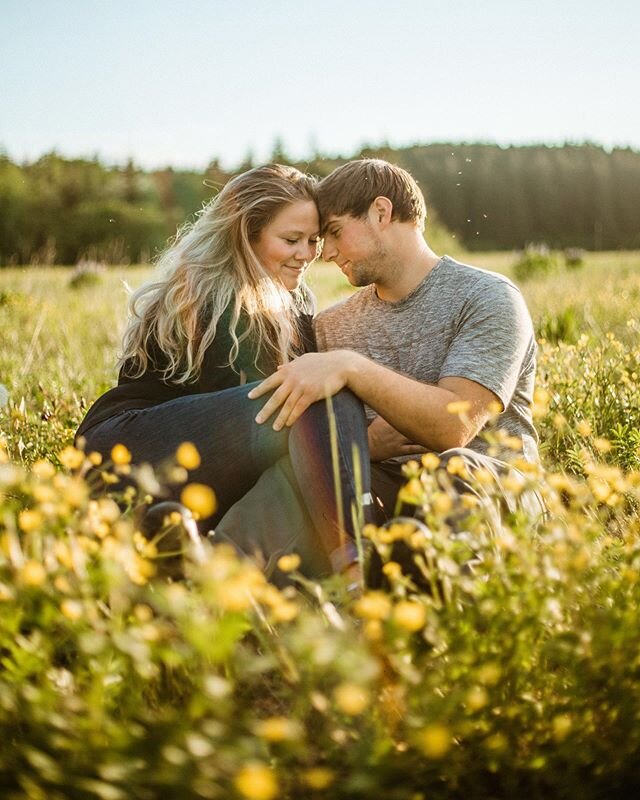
x,y
58,210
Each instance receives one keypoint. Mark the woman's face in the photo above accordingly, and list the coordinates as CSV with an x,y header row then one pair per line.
x,y
288,244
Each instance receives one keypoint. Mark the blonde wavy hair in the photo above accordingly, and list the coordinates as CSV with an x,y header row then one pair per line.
x,y
209,265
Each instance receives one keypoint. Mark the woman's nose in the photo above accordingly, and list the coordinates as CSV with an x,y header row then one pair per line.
x,y
306,252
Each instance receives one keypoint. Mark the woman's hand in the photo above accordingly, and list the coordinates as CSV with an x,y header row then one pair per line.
x,y
386,442
298,384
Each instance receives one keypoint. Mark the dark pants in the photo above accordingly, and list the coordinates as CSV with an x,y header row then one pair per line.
x,y
287,527
387,479
235,451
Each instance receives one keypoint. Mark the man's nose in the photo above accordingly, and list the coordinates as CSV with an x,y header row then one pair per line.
x,y
329,250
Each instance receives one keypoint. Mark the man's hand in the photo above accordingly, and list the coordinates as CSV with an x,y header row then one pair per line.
x,y
386,442
298,384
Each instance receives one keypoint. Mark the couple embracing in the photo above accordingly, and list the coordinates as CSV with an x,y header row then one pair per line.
x,y
222,349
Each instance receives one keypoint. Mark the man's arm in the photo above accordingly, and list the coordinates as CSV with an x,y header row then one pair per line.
x,y
417,410
386,442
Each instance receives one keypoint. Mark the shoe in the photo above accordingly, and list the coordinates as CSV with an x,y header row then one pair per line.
x,y
173,530
402,553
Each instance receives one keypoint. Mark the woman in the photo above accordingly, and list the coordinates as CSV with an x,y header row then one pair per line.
x,y
230,305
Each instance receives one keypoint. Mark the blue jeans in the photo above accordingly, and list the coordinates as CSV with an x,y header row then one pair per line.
x,y
235,451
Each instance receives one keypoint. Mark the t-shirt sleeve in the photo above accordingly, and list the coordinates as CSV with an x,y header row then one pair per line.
x,y
494,338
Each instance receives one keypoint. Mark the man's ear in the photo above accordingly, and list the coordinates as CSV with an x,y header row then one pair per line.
x,y
381,211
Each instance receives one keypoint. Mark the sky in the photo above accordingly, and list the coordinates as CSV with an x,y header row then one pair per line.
x,y
180,82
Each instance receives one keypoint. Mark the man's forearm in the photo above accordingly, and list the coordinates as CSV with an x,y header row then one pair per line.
x,y
418,410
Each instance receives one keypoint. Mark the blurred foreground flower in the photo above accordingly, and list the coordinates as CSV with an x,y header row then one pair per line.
x,y
199,498
256,781
187,456
120,455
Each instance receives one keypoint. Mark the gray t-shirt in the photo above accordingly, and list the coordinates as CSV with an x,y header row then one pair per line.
x,y
460,321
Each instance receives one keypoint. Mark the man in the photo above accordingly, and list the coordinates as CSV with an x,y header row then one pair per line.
x,y
426,336
426,332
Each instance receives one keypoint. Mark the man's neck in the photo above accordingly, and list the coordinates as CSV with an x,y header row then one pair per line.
x,y
409,264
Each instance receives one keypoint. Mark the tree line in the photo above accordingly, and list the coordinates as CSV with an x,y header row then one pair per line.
x,y
60,210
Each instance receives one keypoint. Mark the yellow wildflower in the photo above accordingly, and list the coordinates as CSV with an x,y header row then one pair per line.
x,y
256,782
43,469
284,612
513,483
456,466
489,674
289,562
392,570
540,406
187,456
373,605
120,455
412,492
72,609
559,421
319,778
410,615
351,698
199,498
562,724
434,741
278,729
71,457
29,520
430,461
477,698
441,503
62,552
584,428
497,742
234,595
32,574
373,630
62,584
6,592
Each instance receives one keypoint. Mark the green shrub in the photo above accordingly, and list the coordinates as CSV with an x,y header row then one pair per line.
x,y
87,273
535,261
574,257
563,326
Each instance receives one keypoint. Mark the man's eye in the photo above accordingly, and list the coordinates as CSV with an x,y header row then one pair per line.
x,y
291,241
335,233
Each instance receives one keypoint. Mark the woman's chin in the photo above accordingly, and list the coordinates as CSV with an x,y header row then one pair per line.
x,y
291,282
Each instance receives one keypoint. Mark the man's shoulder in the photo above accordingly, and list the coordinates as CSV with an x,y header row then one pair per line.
x,y
476,277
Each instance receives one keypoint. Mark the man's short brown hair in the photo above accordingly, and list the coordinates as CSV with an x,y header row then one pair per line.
x,y
351,188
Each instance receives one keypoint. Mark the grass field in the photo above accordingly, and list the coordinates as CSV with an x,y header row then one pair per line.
x,y
517,673
60,343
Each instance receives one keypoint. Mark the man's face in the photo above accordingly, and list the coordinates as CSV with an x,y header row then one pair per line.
x,y
354,245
